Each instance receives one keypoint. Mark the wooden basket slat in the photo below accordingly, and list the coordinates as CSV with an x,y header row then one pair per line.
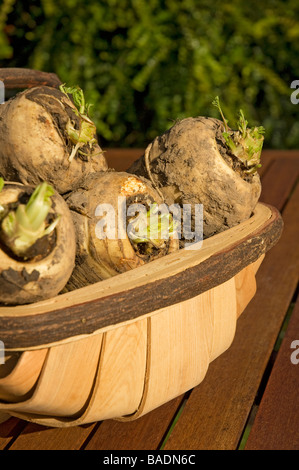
x,y
178,358
223,310
66,379
184,340
246,284
118,385
20,382
120,392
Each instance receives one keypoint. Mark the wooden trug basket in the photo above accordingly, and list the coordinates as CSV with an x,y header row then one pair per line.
x,y
122,347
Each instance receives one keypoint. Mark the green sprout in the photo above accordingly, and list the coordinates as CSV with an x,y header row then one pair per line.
x,y
22,227
246,144
151,228
86,134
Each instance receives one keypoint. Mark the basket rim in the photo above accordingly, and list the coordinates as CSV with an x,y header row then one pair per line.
x,y
23,77
139,293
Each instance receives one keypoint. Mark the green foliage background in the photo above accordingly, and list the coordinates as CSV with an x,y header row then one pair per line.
x,y
146,63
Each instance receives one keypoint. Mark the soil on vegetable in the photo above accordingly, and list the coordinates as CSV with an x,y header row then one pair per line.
x,y
231,160
14,280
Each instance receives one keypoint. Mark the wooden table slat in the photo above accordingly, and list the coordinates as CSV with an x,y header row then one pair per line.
x,y
36,437
276,425
279,181
145,433
9,430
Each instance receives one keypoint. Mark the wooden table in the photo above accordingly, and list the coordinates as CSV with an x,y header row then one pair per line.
x,y
249,397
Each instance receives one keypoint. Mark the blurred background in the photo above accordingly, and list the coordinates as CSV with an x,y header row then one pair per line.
x,y
146,63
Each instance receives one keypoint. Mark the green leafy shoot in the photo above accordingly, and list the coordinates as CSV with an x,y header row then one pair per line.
x,y
216,103
151,228
22,227
245,143
78,97
86,134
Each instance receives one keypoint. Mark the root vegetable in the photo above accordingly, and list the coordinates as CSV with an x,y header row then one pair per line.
x,y
37,243
46,135
124,242
202,161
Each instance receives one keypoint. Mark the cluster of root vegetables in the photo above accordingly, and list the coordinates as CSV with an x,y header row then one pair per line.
x,y
54,178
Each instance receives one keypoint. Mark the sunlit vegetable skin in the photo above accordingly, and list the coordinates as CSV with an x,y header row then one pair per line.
x,y
35,146
22,281
187,164
98,259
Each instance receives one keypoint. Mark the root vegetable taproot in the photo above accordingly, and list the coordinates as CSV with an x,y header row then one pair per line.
x,y
37,243
46,135
202,161
113,234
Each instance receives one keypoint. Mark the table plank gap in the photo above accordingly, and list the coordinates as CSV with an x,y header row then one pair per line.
x,y
174,421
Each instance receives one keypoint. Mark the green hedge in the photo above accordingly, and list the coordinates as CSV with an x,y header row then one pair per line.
x,y
146,63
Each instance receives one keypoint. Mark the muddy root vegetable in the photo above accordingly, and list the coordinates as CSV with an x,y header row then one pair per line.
x,y
112,236
202,161
37,243
46,135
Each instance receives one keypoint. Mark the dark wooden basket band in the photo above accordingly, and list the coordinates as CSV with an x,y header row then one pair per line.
x,y
14,78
